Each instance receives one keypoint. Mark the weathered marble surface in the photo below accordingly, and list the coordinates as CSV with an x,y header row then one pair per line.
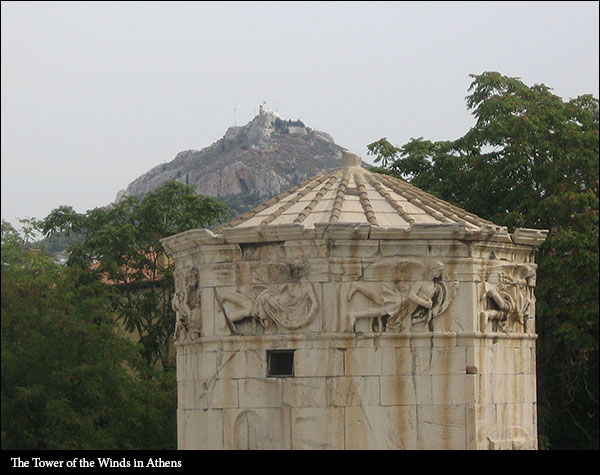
x,y
346,285
463,382
392,391
413,330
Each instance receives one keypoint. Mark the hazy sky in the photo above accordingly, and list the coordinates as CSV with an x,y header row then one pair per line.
x,y
96,94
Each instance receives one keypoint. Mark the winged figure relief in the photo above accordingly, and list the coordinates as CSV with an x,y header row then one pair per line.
x,y
282,300
412,292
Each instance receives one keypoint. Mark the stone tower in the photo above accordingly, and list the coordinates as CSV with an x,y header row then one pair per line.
x,y
355,311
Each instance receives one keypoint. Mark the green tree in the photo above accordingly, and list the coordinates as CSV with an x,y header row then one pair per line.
x,y
531,160
121,247
69,380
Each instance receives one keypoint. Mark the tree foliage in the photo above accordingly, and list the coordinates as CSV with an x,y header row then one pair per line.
x,y
121,247
69,379
87,360
531,160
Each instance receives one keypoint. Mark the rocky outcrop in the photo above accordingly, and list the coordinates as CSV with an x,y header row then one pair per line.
x,y
251,162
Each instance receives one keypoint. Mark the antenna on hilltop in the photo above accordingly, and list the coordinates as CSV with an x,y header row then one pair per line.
x,y
234,114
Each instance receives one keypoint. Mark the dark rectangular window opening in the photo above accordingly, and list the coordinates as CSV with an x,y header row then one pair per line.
x,y
280,363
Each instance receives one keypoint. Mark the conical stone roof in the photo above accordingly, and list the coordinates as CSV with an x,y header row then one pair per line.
x,y
355,195
354,203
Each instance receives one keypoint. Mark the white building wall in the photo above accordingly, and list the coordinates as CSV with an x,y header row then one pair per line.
x,y
459,383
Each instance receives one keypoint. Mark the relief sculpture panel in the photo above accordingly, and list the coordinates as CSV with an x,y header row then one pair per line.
x,y
507,300
410,304
281,301
187,305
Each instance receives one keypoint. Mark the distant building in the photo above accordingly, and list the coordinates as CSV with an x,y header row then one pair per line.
x,y
263,111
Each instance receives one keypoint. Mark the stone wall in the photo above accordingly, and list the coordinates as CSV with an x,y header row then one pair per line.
x,y
369,392
372,369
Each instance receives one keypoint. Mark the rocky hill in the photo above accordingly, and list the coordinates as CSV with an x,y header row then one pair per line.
x,y
249,163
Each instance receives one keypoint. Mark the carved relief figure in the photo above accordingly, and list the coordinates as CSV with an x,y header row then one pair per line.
x,y
497,303
181,320
290,306
399,306
508,298
187,306
236,308
529,298
287,302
